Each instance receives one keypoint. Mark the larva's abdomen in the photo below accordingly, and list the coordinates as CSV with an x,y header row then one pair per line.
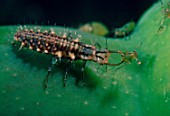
x,y
49,43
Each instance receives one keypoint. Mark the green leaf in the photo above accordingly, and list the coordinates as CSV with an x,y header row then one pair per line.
x,y
131,90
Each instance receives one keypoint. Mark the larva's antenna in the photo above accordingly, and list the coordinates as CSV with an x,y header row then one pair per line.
x,y
162,6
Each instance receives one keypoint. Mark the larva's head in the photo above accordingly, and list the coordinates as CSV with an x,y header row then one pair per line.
x,y
106,57
129,56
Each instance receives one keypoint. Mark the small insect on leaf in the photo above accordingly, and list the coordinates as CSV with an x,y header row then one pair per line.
x,y
123,31
166,13
96,28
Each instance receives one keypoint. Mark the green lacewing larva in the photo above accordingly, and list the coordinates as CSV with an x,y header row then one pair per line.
x,y
68,48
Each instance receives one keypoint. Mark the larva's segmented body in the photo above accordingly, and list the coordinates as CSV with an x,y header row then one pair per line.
x,y
62,47
71,49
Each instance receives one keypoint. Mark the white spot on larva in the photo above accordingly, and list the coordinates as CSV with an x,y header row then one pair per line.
x,y
45,51
85,103
38,50
6,54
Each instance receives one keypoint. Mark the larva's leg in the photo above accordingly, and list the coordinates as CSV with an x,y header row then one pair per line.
x,y
82,70
66,73
117,68
54,61
46,78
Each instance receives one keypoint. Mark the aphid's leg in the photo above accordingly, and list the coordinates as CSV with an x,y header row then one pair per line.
x,y
82,70
54,61
163,10
161,28
168,5
96,44
66,73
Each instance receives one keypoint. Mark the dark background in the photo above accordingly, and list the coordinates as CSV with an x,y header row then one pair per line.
x,y
113,13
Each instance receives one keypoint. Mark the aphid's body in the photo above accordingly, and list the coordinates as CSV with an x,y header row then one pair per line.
x,y
123,31
166,13
96,28
63,47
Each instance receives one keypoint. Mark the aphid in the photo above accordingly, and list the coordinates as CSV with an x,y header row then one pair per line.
x,y
166,13
123,31
62,47
96,28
